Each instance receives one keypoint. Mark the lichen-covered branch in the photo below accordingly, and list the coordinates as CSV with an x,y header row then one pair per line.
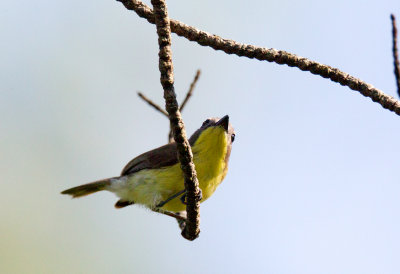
x,y
185,156
271,55
395,54
191,88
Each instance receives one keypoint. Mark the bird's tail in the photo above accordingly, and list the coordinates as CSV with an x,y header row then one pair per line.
x,y
86,189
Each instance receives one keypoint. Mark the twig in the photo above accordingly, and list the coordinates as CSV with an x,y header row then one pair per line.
x,y
271,55
151,103
185,156
157,107
395,53
170,136
191,88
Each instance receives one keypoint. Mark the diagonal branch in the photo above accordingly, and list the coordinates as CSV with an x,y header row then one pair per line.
x,y
161,110
395,53
151,103
191,88
185,156
271,55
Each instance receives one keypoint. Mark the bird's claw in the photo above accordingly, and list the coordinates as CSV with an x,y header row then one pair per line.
x,y
183,199
199,197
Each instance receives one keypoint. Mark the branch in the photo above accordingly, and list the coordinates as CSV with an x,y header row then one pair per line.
x,y
191,88
271,55
151,103
185,156
395,53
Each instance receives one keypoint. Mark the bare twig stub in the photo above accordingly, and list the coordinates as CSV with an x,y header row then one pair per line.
x,y
185,156
187,97
151,103
395,54
161,110
158,108
170,136
271,55
191,88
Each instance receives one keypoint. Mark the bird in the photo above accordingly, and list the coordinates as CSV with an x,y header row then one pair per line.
x,y
155,180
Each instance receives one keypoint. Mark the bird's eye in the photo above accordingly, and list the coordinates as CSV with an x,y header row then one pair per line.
x,y
233,137
206,122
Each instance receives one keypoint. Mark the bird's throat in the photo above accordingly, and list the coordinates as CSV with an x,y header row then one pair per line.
x,y
209,153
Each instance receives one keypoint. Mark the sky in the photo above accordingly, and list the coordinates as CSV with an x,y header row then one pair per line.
x,y
313,183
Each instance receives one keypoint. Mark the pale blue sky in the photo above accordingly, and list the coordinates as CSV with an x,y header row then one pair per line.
x,y
313,185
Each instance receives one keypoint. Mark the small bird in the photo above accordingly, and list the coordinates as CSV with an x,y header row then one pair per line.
x,y
155,180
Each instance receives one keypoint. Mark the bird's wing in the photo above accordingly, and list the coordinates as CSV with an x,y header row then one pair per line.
x,y
160,157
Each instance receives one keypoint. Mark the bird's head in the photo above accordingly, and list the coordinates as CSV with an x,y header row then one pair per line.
x,y
214,133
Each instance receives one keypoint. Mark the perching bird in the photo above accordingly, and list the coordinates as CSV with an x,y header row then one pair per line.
x,y
154,179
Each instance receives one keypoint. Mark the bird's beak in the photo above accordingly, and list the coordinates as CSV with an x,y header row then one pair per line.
x,y
223,122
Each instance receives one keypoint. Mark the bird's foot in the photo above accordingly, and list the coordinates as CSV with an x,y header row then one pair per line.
x,y
199,197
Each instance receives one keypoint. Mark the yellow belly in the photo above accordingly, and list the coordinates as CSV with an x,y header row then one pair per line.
x,y
151,186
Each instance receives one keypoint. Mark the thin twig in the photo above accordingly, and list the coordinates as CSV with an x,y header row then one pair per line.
x,y
395,53
188,95
157,107
185,156
191,88
151,103
271,55
170,136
